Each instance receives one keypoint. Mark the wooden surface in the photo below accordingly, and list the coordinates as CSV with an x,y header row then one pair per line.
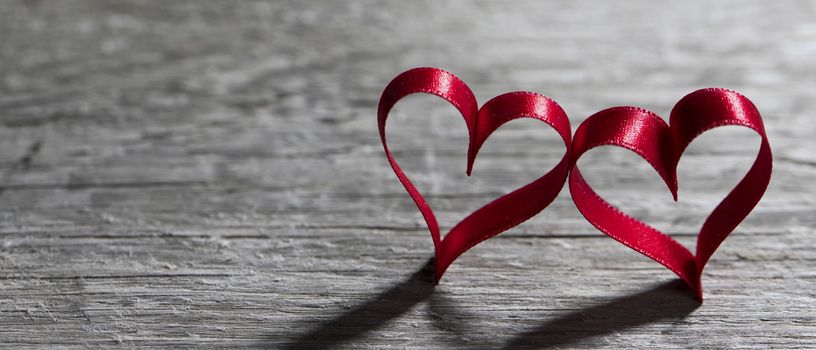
x,y
208,175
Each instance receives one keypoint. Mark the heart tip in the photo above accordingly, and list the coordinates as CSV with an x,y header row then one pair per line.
x,y
471,158
672,184
697,288
438,274
699,297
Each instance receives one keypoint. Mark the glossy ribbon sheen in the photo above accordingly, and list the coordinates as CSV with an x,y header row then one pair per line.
x,y
633,128
646,134
506,211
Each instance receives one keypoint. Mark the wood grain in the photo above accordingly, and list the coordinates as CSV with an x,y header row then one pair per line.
x,y
208,175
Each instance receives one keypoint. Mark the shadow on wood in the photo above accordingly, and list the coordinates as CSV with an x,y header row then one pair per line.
x,y
669,301
458,325
371,315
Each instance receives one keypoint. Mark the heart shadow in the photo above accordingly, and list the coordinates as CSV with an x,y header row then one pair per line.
x,y
372,314
668,302
665,302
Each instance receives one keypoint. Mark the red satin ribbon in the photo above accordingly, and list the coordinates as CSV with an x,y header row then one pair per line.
x,y
646,134
506,211
636,129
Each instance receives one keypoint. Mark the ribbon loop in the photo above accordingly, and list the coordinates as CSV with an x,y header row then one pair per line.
x,y
662,146
699,112
436,82
646,134
506,211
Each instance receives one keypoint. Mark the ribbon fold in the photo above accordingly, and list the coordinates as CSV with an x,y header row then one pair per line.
x,y
506,211
662,145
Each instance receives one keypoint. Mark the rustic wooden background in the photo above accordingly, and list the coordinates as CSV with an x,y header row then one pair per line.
x,y
208,175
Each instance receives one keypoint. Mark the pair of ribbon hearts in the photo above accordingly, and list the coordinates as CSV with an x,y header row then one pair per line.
x,y
632,128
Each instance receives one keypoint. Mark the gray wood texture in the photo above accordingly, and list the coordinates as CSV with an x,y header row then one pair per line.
x,y
186,174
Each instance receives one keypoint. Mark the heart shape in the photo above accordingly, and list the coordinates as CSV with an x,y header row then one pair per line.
x,y
646,134
506,211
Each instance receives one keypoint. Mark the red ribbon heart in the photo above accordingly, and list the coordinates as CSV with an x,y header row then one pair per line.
x,y
506,211
646,134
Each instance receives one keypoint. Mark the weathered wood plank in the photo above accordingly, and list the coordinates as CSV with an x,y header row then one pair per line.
x,y
208,175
